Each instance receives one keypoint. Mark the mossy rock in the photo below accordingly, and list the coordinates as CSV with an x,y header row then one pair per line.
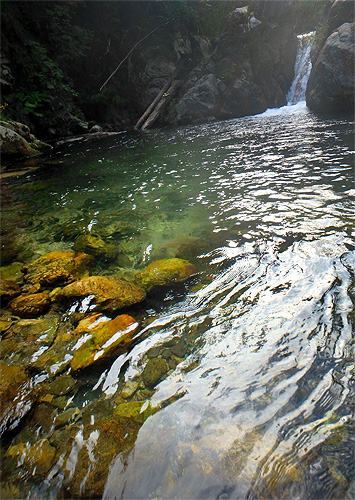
x,y
165,272
38,458
16,394
109,294
115,335
57,268
154,371
94,245
30,306
12,272
12,377
133,410
62,385
8,289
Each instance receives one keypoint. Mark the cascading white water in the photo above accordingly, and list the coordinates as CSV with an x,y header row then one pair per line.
x,y
303,66
296,96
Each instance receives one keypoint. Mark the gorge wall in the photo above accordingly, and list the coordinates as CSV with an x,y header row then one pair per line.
x,y
69,66
331,84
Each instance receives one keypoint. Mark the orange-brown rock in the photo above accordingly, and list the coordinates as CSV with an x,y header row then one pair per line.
x,y
57,268
105,341
9,289
30,306
109,294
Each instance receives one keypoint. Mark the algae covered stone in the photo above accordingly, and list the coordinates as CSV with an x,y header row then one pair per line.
x,y
154,371
105,341
107,293
94,245
30,306
16,394
8,289
38,457
165,272
57,268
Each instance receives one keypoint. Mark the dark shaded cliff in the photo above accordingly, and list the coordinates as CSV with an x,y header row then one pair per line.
x,y
68,66
331,84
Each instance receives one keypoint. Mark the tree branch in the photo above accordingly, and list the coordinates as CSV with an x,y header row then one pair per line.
x,y
129,53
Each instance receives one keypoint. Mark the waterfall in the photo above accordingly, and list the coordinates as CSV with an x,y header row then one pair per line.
x,y
303,66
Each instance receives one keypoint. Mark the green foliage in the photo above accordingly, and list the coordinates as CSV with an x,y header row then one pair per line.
x,y
33,102
107,96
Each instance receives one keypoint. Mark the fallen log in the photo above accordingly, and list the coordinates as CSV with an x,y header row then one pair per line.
x,y
164,100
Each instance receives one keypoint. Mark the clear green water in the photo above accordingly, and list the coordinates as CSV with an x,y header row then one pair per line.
x,y
260,403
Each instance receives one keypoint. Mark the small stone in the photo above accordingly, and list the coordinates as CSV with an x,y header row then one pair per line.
x,y
154,371
62,385
129,389
68,416
179,349
30,306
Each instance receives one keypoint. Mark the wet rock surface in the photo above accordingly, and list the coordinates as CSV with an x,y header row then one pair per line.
x,y
57,268
105,341
30,306
165,272
108,294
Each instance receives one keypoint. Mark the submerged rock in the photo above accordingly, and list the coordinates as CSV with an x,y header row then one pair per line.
x,y
8,289
94,245
38,457
105,341
108,294
12,272
165,272
30,306
154,371
16,395
57,268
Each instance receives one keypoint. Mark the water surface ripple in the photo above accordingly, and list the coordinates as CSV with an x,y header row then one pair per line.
x,y
262,403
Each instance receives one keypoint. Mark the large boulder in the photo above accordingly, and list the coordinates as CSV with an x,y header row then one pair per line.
x,y
17,140
200,101
107,293
331,87
165,272
57,268
105,341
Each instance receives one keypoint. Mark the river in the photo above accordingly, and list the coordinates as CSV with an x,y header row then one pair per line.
x,y
258,399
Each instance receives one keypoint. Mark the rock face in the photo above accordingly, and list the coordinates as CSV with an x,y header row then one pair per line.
x,y
108,294
57,268
331,84
250,69
105,341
